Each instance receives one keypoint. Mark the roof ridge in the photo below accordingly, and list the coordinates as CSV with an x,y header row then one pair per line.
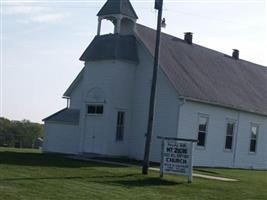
x,y
207,48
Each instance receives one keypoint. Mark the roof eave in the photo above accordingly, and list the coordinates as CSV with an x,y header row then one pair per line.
x,y
47,118
73,85
223,105
62,122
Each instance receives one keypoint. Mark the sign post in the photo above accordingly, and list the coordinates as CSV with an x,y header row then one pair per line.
x,y
177,157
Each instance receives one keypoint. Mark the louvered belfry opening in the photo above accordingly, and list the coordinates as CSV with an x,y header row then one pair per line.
x,y
121,14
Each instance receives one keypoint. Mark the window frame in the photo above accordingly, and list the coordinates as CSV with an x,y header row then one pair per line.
x,y
117,139
95,105
250,137
201,115
233,135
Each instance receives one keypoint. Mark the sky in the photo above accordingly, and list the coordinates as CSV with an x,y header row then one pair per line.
x,y
41,42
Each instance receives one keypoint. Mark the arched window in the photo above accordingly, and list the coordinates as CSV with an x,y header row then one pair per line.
x,y
95,95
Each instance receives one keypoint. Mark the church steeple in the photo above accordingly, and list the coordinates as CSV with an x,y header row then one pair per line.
x,y
120,13
122,44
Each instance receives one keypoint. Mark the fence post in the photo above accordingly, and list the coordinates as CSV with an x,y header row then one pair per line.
x,y
190,175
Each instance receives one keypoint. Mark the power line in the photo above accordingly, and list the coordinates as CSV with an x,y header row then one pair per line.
x,y
139,1
74,6
212,18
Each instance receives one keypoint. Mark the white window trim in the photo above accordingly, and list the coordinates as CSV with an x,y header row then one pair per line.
x,y
207,130
234,135
124,125
252,124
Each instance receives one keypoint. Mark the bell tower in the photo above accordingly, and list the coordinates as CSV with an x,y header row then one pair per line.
x,y
108,81
121,14
121,45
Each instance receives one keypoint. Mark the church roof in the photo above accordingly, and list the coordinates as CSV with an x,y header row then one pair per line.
x,y
112,47
204,75
196,72
118,7
65,115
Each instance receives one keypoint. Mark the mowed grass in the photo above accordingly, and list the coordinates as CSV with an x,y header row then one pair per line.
x,y
29,174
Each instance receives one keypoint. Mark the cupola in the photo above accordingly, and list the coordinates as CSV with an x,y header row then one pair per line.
x,y
121,14
118,46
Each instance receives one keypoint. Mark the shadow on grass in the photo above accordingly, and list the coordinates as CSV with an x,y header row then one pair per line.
x,y
205,171
145,182
127,160
127,180
44,160
68,178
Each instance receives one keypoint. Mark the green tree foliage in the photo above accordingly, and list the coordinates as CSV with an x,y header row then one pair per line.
x,y
19,133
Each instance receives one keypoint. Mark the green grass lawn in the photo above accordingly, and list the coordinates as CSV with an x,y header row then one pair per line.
x,y
28,174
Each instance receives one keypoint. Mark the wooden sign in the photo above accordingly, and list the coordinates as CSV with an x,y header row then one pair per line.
x,y
176,157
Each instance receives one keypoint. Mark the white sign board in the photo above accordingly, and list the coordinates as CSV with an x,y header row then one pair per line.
x,y
177,157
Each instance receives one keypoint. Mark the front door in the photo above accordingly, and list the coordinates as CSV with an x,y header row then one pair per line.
x,y
94,134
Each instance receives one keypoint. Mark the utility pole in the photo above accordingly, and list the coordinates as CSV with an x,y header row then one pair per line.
x,y
158,6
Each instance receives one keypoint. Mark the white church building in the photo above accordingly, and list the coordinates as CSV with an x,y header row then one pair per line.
x,y
202,94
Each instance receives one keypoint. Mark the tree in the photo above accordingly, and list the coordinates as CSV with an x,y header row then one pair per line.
x,y
19,133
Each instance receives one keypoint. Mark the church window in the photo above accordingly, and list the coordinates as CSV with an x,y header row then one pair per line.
x,y
120,126
253,138
202,130
95,109
229,135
